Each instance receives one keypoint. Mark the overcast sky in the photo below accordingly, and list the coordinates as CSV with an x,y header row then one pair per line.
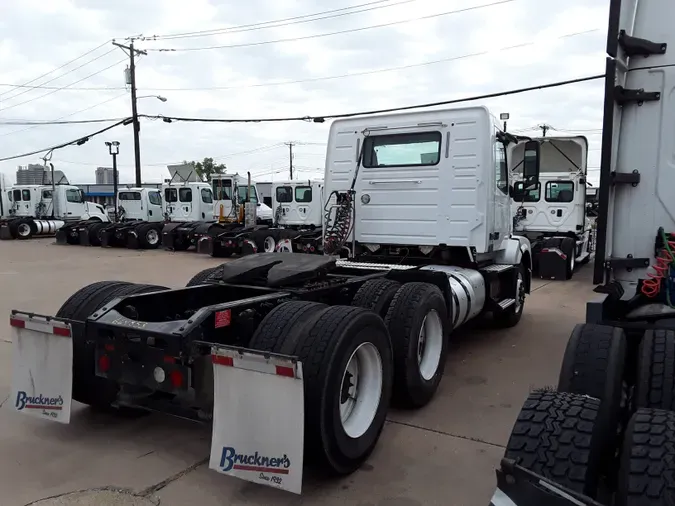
x,y
559,41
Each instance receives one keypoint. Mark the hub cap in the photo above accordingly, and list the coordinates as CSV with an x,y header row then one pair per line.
x,y
152,236
520,292
269,244
361,390
23,230
430,345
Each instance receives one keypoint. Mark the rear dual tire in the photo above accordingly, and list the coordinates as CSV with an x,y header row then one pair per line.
x,y
348,370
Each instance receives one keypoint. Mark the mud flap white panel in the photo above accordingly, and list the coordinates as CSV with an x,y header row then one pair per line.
x,y
258,418
42,367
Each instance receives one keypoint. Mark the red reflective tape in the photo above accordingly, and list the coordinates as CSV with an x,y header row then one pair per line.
x,y
285,371
61,331
109,347
169,360
221,360
223,318
15,322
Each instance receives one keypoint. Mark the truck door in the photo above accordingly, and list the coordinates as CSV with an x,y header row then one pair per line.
x,y
74,205
185,196
154,204
132,204
171,202
301,211
283,201
46,204
205,206
560,205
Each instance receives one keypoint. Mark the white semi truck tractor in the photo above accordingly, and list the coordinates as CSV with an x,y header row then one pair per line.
x,y
311,349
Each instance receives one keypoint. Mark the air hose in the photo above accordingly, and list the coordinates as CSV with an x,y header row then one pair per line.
x,y
339,226
663,268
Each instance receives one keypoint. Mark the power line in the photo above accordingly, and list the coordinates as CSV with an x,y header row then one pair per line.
x,y
60,67
59,77
340,76
64,87
79,141
322,118
296,20
352,30
58,121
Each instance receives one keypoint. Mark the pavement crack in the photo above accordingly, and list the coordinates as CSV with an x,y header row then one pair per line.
x,y
541,286
146,454
159,486
450,434
4,400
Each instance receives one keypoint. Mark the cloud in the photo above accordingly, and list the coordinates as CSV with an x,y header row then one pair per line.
x,y
39,36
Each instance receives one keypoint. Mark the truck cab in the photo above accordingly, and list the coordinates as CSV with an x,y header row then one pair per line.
x,y
552,213
140,204
187,202
232,190
63,202
298,203
425,185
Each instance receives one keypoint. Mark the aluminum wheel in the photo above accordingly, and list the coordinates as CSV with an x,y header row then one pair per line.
x,y
361,390
269,245
152,236
520,292
23,230
284,246
430,345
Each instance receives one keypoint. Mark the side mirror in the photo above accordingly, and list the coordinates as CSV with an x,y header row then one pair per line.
x,y
531,164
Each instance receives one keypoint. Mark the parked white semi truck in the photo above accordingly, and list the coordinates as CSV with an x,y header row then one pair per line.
x,y
41,210
553,215
606,435
298,208
334,340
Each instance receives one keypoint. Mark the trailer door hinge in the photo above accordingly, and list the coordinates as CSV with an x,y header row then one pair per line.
x,y
624,96
634,46
627,263
631,178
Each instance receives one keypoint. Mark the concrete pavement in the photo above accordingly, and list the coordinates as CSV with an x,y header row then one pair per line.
x,y
445,453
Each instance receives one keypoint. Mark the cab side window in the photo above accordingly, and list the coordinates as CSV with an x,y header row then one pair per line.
x,y
501,175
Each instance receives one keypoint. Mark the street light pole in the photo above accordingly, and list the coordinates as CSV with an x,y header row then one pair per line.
x,y
114,149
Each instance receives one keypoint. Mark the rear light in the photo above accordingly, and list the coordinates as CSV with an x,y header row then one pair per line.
x,y
15,322
159,375
176,379
104,363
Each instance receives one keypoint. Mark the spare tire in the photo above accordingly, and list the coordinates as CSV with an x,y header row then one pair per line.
x,y
558,436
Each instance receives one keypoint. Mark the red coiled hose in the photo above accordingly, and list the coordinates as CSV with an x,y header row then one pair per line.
x,y
652,286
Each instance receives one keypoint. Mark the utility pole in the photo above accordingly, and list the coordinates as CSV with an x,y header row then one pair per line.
x,y
544,129
290,157
134,110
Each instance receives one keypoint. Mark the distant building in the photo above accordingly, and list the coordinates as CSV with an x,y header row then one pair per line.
x,y
34,173
104,175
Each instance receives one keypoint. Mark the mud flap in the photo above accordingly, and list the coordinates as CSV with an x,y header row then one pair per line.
x,y
205,245
61,236
284,246
258,417
42,367
5,232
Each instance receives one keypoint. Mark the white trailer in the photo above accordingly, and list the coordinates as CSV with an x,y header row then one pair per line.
x,y
311,349
40,210
553,214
